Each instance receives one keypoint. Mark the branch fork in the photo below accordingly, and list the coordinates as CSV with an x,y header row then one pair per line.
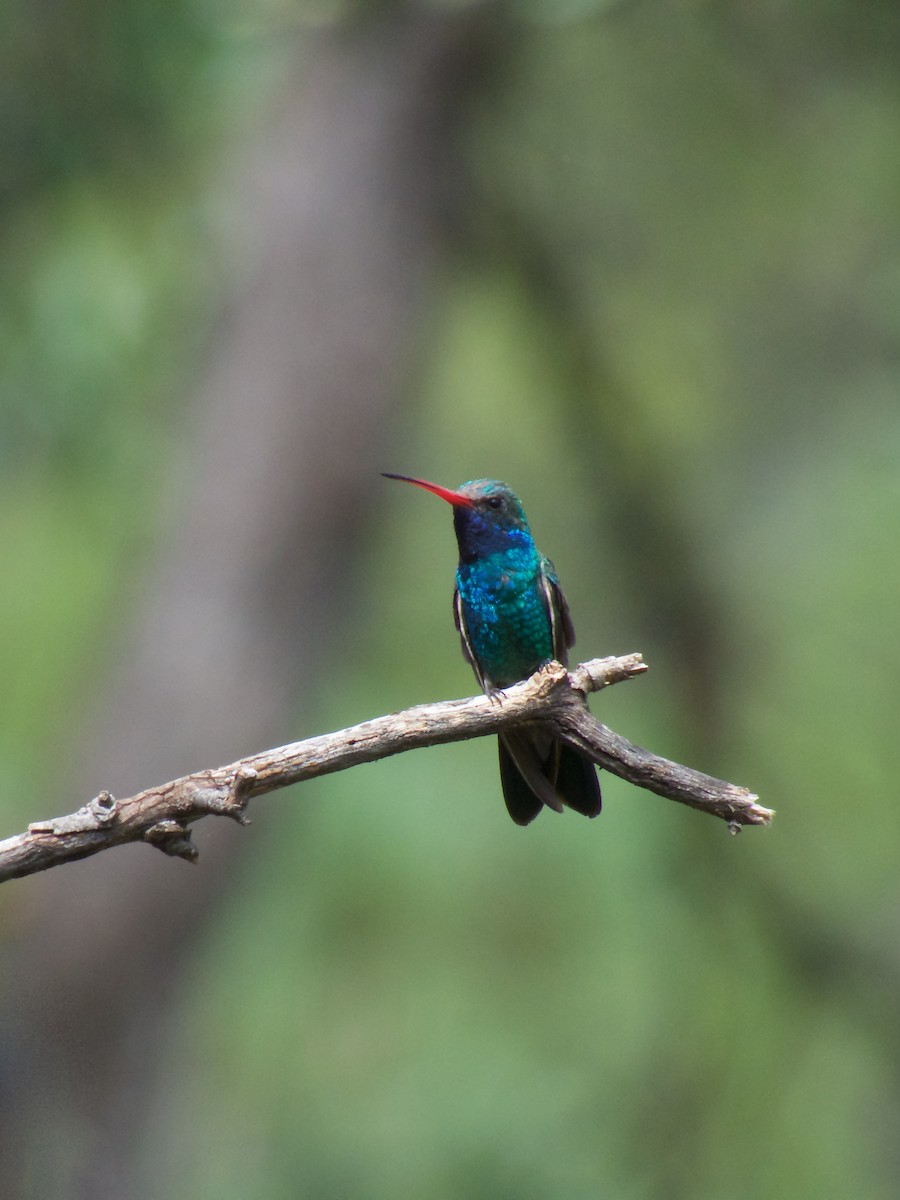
x,y
162,816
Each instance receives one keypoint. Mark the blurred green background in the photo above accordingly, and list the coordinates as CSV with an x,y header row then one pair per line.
x,y
641,260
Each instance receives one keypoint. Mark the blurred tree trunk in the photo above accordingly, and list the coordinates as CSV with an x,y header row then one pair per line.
x,y
291,420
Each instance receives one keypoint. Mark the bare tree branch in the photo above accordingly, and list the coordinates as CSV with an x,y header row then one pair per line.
x,y
162,815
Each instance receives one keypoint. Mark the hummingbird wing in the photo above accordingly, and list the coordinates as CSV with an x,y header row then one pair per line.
x,y
467,648
572,776
562,630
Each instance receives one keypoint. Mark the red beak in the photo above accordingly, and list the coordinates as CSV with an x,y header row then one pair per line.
x,y
455,498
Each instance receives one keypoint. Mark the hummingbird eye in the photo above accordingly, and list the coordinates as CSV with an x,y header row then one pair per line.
x,y
495,501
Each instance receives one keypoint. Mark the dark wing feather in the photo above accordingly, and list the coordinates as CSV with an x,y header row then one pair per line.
x,y
573,776
468,651
561,629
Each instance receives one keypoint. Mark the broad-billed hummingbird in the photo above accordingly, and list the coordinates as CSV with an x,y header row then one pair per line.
x,y
513,618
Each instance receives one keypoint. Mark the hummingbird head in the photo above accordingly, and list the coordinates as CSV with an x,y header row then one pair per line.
x,y
487,515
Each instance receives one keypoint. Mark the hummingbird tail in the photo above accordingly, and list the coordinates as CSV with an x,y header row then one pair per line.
x,y
533,776
577,782
521,802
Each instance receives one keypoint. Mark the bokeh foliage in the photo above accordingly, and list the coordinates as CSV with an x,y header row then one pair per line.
x,y
669,315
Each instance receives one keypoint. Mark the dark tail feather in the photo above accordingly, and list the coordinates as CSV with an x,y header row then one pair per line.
x,y
521,802
577,782
531,781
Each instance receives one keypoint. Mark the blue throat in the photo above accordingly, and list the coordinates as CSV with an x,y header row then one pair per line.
x,y
480,537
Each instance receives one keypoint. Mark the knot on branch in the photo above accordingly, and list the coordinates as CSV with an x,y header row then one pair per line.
x,y
229,800
172,837
99,813
103,808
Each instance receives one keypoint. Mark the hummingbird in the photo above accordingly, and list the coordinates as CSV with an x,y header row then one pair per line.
x,y
513,618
